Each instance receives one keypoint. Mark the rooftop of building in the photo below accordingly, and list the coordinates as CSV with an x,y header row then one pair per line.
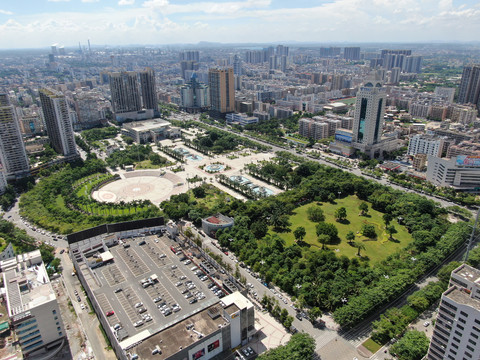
x,y
146,124
181,334
26,282
468,273
462,297
218,219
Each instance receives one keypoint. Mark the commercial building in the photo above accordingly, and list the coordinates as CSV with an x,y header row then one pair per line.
x,y
222,91
216,222
461,172
13,156
457,329
110,260
469,89
424,144
419,162
241,119
91,108
369,121
31,303
148,89
57,120
143,132
195,96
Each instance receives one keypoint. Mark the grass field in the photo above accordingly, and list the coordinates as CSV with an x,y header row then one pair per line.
x,y
372,346
348,101
375,249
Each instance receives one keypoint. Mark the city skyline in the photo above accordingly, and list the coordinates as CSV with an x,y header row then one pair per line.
x,y
33,24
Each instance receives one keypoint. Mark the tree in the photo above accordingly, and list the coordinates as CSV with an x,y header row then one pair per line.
x,y
387,218
288,322
315,214
360,246
323,239
446,270
299,233
412,346
199,192
259,229
341,214
331,197
327,229
350,237
314,313
363,208
391,230
474,257
301,346
368,230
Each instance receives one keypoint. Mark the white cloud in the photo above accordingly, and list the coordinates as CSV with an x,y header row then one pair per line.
x,y
6,12
160,22
58,0
90,1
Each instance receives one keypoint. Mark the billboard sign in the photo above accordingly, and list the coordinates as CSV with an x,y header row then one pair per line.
x,y
198,354
464,160
213,345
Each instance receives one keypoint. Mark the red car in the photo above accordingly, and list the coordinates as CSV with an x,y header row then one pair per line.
x,y
110,313
225,252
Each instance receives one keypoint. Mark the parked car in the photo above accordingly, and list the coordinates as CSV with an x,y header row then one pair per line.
x,y
110,313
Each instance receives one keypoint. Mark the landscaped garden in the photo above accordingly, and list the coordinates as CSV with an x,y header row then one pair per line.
x,y
376,248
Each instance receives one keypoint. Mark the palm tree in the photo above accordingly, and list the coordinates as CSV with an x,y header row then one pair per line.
x,y
360,246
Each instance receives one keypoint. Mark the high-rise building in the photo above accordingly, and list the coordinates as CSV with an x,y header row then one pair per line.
x,y
124,92
12,148
282,50
329,51
186,65
195,96
413,64
457,329
190,55
237,66
3,180
469,89
351,53
149,91
57,120
31,303
222,90
369,111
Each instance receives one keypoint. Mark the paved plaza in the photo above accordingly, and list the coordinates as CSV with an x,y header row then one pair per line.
x,y
159,184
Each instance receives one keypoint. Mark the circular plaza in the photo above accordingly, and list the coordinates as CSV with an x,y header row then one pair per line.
x,y
155,186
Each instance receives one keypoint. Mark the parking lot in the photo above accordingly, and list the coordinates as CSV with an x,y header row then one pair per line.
x,y
152,283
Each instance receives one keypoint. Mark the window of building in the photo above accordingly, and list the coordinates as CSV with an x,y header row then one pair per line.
x,y
458,333
472,342
468,355
470,348
455,346
460,327
463,321
453,351
463,314
59,333
456,339
54,312
55,318
474,335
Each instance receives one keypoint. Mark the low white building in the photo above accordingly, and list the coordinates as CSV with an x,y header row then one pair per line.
x,y
242,119
31,303
150,130
461,172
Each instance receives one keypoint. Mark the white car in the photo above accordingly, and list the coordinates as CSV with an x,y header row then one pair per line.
x,y
138,323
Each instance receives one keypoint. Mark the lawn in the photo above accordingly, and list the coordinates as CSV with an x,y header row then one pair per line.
x,y
371,345
375,249
348,101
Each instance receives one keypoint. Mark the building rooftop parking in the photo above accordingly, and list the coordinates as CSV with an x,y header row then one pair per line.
x,y
145,269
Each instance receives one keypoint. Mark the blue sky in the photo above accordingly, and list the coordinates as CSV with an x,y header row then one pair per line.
x,y
39,23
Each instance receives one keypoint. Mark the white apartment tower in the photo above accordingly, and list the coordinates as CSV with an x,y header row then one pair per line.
x,y
457,329
31,303
12,148
57,120
423,144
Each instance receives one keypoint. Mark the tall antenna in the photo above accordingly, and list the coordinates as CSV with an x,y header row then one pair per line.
x,y
470,241
89,49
